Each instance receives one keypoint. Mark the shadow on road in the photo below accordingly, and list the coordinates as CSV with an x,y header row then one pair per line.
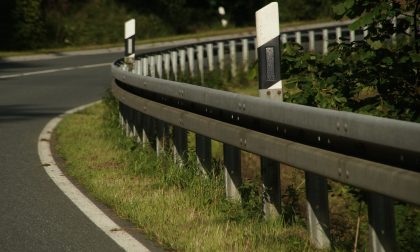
x,y
22,112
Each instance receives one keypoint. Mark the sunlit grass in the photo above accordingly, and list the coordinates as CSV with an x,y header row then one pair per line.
x,y
177,207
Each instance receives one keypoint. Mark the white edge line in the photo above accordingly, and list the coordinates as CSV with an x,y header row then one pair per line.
x,y
97,216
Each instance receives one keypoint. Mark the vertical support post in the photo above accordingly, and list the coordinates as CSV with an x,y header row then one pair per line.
x,y
191,65
317,210
232,52
232,167
131,125
324,41
182,60
221,55
149,133
180,145
167,65
203,150
352,35
365,32
161,137
145,66
283,38
311,37
138,67
270,86
255,48
298,37
174,60
338,35
200,58
381,223
152,66
209,48
245,55
159,65
138,126
129,39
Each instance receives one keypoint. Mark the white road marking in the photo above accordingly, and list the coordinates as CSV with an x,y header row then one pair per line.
x,y
8,76
109,227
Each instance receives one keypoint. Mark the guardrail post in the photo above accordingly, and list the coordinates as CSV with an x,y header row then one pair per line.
x,y
138,126
191,64
149,133
221,55
174,60
381,223
209,48
167,65
298,37
317,210
152,66
137,67
283,38
200,58
352,36
311,37
159,65
338,35
232,167
180,144
232,52
203,150
131,125
255,49
324,41
365,32
270,86
182,60
145,66
129,39
161,136
245,55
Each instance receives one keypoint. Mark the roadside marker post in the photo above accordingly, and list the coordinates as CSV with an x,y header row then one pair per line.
x,y
270,87
129,39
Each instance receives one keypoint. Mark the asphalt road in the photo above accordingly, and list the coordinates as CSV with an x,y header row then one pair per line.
x,y
34,214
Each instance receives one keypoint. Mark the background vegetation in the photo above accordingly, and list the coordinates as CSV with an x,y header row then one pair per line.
x,y
33,24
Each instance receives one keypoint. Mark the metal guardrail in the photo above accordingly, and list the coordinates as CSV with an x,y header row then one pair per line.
x,y
375,154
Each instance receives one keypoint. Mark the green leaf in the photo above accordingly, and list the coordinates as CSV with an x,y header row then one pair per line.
x,y
415,58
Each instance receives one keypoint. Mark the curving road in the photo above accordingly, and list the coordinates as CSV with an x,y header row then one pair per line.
x,y
34,214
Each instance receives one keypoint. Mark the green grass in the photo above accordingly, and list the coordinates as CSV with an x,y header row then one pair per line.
x,y
175,206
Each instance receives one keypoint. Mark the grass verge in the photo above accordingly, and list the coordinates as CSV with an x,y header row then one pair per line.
x,y
177,207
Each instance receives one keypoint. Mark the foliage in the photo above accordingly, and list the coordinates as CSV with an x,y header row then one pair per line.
x,y
30,24
377,76
28,28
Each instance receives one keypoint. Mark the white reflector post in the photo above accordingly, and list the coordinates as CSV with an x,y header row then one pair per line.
x,y
129,38
268,46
